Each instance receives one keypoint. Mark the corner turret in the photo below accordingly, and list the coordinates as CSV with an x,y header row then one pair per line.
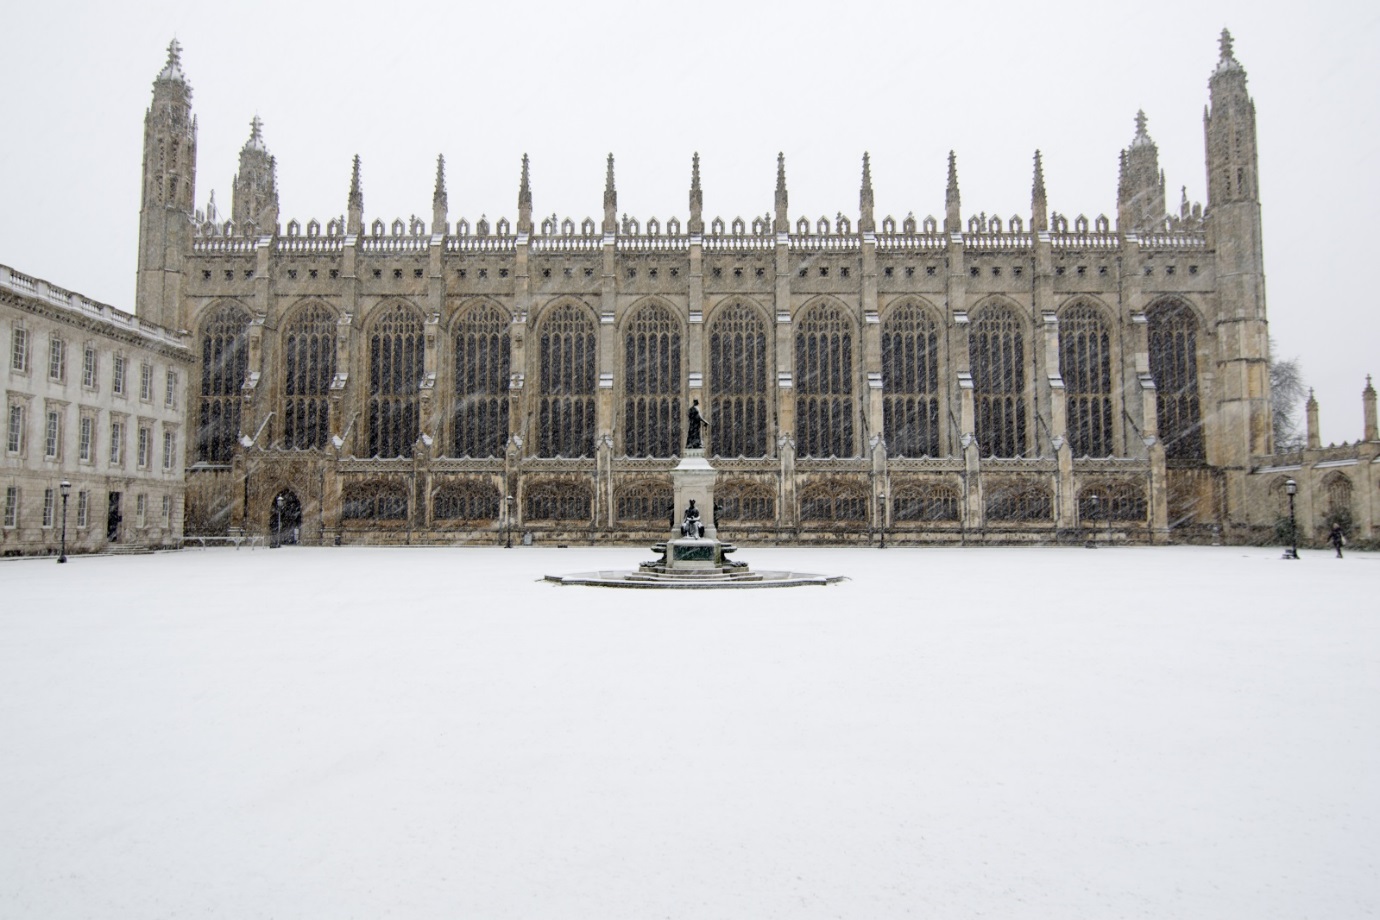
x,y
255,189
169,193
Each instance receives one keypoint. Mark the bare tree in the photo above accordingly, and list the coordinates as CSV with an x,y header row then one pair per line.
x,y
1286,392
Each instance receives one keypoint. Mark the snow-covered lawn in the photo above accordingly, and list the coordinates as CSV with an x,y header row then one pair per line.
x,y
333,733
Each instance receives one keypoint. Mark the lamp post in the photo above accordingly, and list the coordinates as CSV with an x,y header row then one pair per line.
x,y
66,488
1092,521
508,522
1293,551
278,522
881,518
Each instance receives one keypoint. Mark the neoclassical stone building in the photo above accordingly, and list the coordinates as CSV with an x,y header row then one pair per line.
x,y
95,397
950,379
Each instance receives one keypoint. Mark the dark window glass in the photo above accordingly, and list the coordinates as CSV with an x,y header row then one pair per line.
x,y
224,365
737,383
482,357
910,382
652,384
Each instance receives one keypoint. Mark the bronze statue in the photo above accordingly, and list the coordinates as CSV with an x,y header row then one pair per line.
x,y
692,427
691,526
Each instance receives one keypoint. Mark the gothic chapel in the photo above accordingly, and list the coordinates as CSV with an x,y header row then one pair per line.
x,y
983,379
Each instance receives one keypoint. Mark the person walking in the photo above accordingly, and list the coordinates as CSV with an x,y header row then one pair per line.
x,y
1337,538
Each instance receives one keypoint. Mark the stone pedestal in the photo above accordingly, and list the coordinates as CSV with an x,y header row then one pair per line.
x,y
693,478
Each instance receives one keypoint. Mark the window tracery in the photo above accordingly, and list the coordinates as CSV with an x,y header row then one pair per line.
x,y
824,383
558,500
224,366
925,503
396,361
566,386
382,501
482,359
652,384
744,500
1019,503
1173,332
738,383
1116,501
475,502
1085,364
309,367
997,356
910,382
645,502
834,500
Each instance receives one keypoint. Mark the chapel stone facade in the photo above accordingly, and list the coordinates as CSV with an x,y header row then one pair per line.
x,y
949,379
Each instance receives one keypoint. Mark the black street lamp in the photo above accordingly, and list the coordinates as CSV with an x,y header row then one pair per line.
x,y
1293,551
66,489
881,518
508,522
1092,521
278,522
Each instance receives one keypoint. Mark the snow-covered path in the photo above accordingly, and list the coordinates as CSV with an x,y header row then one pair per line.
x,y
352,732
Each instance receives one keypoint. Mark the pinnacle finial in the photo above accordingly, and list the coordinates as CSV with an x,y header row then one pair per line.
x,y
172,70
1225,43
354,179
610,202
867,169
608,177
783,224
953,223
867,222
695,172
438,195
696,225
1141,121
1039,209
781,173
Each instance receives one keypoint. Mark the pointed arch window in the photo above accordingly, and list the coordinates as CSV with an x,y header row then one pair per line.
x,y
1085,364
834,501
1112,501
558,500
652,384
645,503
476,502
1173,333
482,358
396,360
824,383
996,352
738,383
745,500
910,382
224,365
565,401
925,503
309,367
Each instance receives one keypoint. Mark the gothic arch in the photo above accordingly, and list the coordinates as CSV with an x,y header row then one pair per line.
x,y
924,502
1087,365
395,352
742,500
374,500
308,346
558,500
481,363
653,379
1018,501
738,362
1117,500
1175,329
839,502
224,366
998,354
465,501
824,384
1336,497
566,373
645,501
912,342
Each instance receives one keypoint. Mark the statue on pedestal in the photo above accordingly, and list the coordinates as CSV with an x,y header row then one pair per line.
x,y
692,427
691,526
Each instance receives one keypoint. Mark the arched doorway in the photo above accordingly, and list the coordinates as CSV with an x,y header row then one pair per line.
x,y
285,518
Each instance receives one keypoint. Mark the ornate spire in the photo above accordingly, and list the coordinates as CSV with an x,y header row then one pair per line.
x,y
953,221
440,204
783,223
1372,428
255,189
525,198
355,224
1140,185
173,69
1227,59
866,221
696,198
1039,205
610,202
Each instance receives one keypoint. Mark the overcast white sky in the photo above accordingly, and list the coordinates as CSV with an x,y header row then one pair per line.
x,y
568,83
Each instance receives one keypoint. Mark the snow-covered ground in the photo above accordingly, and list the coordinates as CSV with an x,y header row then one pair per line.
x,y
333,733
